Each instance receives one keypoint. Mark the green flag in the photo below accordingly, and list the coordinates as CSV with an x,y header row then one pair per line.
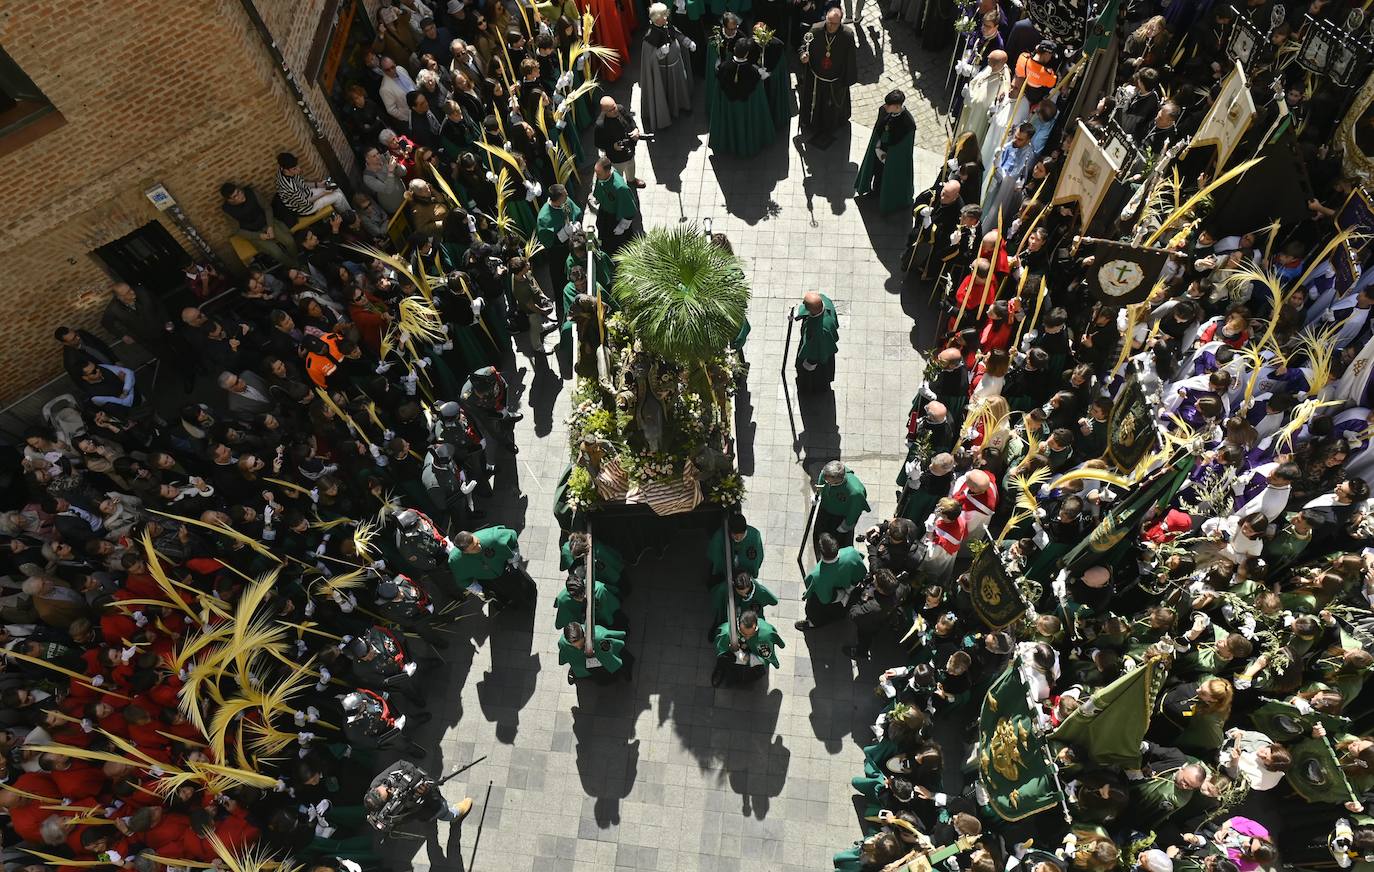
x,y
994,594
1101,30
1284,723
1131,430
1316,774
1111,723
1117,530
1013,762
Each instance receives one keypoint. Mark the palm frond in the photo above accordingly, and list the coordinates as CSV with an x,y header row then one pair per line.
x,y
1320,347
505,189
683,297
1101,475
418,317
507,157
1182,211
221,529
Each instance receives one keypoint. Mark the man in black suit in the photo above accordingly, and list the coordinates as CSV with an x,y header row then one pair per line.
x,y
80,345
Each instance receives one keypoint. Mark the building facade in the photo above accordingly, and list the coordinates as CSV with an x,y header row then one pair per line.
x,y
118,123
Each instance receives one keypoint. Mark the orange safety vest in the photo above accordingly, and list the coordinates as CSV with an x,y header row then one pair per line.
x,y
322,366
1036,74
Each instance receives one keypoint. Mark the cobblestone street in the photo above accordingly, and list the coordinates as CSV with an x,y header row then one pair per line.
x,y
665,772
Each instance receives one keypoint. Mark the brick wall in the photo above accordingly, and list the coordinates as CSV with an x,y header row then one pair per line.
x,y
178,93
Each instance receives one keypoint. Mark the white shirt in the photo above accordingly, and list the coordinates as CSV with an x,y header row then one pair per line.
x,y
393,93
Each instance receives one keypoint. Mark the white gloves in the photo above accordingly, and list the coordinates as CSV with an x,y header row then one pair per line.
x,y
662,51
953,164
491,177
622,227
408,382
409,668
467,487
478,304
691,46
383,367
141,620
564,80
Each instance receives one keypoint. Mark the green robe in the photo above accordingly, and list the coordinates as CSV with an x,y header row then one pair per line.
x,y
759,599
849,860
499,544
551,220
826,580
848,500
763,645
740,127
897,186
607,645
614,198
1156,798
820,334
1203,659
568,610
748,552
601,261
609,565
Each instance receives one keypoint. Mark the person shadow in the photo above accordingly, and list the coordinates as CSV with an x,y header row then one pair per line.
x,y
447,855
819,440
607,762
544,390
758,771
827,170
832,674
508,685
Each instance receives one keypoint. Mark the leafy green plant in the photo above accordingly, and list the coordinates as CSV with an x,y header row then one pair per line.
x,y
682,297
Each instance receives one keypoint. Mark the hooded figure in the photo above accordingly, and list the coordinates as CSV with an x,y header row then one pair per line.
x,y
664,78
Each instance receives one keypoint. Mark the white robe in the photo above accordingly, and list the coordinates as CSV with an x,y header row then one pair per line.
x,y
979,94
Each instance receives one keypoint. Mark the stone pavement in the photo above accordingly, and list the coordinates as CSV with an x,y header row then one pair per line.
x,y
665,772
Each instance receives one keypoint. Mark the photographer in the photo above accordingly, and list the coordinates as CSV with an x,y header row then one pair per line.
x,y
616,138
406,792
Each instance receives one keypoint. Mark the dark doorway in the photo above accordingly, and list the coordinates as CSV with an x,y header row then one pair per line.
x,y
149,257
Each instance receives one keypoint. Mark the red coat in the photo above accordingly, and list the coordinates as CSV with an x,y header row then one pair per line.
x,y
79,780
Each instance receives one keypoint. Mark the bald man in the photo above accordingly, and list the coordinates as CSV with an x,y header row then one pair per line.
x,y
830,67
947,386
820,340
934,217
976,491
989,83
616,137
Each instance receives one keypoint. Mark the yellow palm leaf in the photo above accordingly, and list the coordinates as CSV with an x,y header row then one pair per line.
x,y
1182,211
1101,475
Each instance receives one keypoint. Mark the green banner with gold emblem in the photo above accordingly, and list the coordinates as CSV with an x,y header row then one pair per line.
x,y
1131,428
1121,526
1109,725
994,594
1013,763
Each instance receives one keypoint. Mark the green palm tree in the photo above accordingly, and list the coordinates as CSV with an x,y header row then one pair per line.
x,y
683,298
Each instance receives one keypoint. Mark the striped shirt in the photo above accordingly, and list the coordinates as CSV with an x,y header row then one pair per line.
x,y
295,193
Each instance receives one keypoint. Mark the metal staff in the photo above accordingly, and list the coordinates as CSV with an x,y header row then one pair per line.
x,y
729,579
782,375
806,531
588,643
